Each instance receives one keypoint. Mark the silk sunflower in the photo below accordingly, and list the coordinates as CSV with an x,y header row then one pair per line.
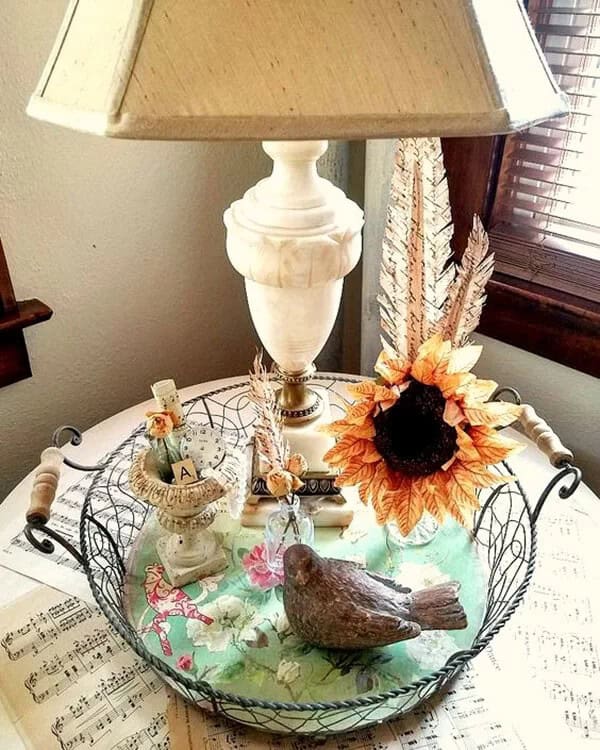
x,y
421,437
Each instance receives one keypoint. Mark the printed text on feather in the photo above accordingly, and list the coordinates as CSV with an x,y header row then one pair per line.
x,y
420,438
336,604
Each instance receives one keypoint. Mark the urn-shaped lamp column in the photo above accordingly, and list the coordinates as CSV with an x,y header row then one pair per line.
x,y
294,236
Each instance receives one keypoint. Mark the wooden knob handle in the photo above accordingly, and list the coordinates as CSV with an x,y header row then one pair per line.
x,y
538,430
44,487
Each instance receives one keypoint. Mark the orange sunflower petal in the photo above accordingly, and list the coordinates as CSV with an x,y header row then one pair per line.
x,y
382,478
345,448
431,360
451,384
432,487
355,471
366,430
467,450
383,505
384,394
363,390
369,454
477,390
491,446
463,359
364,492
453,414
358,412
492,413
393,370
481,476
460,495
407,505
339,427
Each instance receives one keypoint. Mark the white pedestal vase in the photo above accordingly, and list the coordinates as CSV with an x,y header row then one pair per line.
x,y
189,549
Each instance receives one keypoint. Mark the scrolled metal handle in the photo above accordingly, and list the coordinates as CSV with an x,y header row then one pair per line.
x,y
75,438
569,480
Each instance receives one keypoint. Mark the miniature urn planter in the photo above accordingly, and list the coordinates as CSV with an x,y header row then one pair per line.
x,y
189,550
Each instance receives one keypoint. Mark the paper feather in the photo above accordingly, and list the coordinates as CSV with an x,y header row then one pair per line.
x,y
466,296
272,446
415,268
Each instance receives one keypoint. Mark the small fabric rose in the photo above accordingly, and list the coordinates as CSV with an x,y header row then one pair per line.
x,y
185,662
281,483
297,464
259,573
159,424
288,672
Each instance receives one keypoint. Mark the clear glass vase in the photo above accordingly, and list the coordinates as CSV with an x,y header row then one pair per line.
x,y
166,452
289,524
423,533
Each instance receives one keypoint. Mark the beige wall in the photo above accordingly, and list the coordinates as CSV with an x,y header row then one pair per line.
x,y
124,241
569,400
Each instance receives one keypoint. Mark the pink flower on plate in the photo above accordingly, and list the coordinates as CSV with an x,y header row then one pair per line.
x,y
255,565
185,662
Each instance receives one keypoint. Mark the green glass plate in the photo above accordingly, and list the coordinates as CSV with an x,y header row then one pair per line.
x,y
249,649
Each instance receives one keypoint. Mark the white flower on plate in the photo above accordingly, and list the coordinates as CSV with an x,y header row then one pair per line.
x,y
418,576
282,624
431,649
233,620
288,672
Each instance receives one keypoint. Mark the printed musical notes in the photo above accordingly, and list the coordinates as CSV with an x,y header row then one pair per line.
x,y
72,682
557,636
472,716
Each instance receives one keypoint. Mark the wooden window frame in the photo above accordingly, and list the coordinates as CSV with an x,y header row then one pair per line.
x,y
552,323
14,317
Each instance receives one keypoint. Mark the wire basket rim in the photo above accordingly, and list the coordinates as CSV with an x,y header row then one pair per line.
x,y
454,663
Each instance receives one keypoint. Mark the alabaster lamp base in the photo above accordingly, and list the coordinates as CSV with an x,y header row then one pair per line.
x,y
306,438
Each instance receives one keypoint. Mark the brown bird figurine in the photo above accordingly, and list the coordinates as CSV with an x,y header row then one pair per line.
x,y
337,604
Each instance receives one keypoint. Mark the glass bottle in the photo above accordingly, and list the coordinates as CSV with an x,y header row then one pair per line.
x,y
424,532
166,452
167,398
289,524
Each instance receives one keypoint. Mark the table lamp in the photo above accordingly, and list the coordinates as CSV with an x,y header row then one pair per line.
x,y
290,74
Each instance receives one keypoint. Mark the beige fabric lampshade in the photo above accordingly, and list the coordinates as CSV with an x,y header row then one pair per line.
x,y
295,69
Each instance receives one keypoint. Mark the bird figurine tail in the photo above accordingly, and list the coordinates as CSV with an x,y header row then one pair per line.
x,y
438,608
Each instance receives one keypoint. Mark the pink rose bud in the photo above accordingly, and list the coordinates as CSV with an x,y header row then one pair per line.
x,y
185,662
159,424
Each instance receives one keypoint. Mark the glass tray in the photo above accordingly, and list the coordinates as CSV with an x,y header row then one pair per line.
x,y
249,649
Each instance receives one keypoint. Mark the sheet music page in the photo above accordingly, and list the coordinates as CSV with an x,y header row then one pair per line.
x,y
69,681
58,569
557,636
478,713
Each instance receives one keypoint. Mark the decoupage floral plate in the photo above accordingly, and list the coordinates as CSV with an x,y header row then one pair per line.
x,y
249,649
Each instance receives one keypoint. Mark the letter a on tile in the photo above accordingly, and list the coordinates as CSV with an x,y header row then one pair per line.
x,y
184,471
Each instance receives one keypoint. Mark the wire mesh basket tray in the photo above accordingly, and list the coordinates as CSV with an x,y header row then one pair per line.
x,y
494,563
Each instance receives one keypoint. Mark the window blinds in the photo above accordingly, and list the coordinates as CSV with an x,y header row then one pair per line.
x,y
549,183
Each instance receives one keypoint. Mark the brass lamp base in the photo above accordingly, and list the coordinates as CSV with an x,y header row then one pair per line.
x,y
299,403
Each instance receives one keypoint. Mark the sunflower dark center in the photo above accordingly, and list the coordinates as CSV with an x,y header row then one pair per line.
x,y
412,436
